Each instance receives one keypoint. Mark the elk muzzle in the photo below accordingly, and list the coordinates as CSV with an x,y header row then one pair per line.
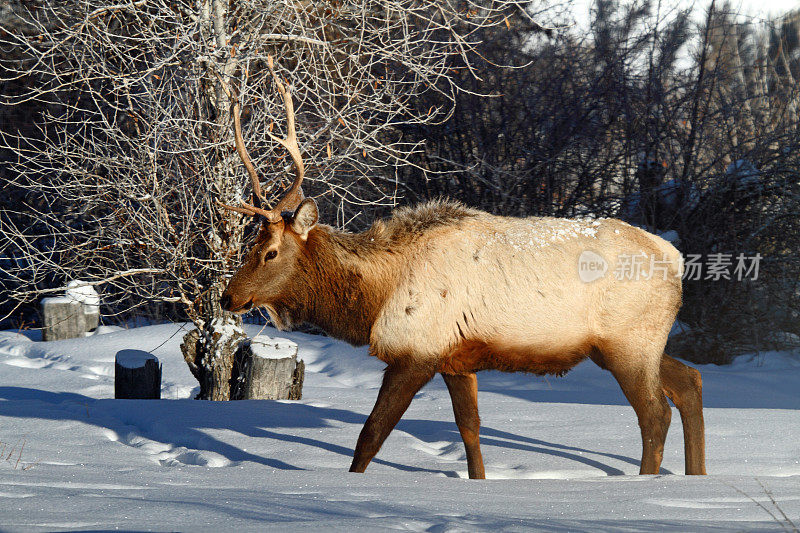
x,y
234,305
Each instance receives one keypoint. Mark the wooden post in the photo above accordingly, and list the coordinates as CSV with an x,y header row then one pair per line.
x,y
268,369
82,292
92,317
137,376
63,318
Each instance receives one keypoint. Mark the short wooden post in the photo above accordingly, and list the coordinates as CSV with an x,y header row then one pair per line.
x,y
268,369
91,316
137,376
63,318
81,291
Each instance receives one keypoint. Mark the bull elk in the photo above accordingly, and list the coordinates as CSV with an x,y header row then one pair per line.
x,y
448,289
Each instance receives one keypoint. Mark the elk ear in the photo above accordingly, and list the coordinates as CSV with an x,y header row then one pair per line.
x,y
305,217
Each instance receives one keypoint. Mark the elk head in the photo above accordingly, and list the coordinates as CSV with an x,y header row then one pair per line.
x,y
267,276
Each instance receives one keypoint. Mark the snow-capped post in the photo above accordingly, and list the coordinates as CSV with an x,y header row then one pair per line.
x,y
80,291
268,369
137,376
71,315
62,318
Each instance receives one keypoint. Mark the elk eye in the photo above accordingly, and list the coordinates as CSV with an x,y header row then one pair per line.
x,y
270,255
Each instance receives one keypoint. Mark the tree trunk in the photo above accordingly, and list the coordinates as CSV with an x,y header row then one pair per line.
x,y
209,351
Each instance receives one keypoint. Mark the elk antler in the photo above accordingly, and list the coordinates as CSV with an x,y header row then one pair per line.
x,y
294,195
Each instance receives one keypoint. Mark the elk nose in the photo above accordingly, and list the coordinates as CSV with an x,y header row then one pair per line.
x,y
225,302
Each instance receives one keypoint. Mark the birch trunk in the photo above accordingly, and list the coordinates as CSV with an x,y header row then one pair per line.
x,y
209,350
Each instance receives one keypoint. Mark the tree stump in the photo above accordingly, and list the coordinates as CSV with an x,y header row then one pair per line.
x,y
137,376
268,369
63,318
296,390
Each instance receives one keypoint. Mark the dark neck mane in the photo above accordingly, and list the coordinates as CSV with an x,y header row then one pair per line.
x,y
349,277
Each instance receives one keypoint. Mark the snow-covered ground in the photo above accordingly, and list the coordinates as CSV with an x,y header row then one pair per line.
x,y
562,453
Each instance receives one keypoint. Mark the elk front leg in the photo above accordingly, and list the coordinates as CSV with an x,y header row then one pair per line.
x,y
464,394
398,389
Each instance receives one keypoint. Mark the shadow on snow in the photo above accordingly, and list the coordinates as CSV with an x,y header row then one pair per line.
x,y
183,423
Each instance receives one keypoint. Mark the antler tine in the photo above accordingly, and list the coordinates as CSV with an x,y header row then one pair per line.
x,y
295,194
247,209
241,149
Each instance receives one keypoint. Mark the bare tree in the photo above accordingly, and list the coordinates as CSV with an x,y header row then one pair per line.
x,y
563,130
130,138
739,155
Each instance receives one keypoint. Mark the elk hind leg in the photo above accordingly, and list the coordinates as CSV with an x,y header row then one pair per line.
x,y
637,373
400,384
684,386
464,394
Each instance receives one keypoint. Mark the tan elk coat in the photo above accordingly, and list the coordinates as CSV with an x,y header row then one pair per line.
x,y
444,288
